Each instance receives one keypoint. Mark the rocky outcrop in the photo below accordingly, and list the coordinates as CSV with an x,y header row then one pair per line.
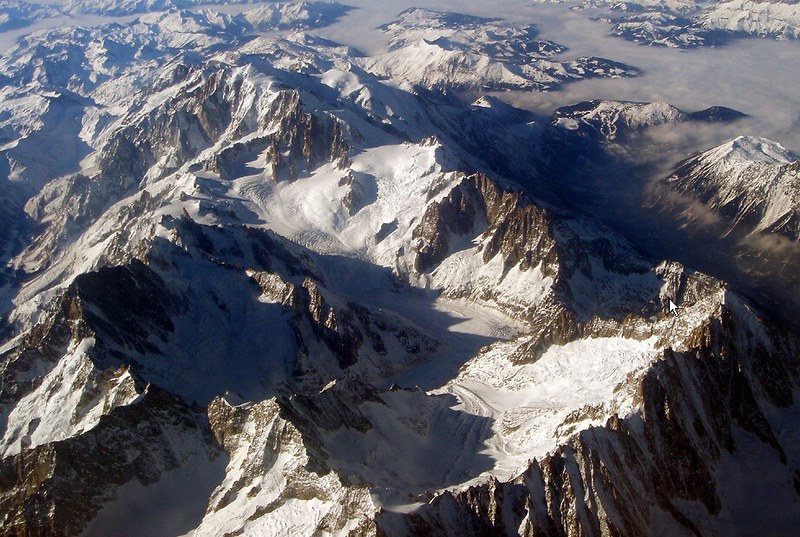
x,y
57,488
46,343
516,229
298,142
358,195
336,329
661,469
749,184
72,367
335,407
112,294
551,323
349,331
220,108
277,466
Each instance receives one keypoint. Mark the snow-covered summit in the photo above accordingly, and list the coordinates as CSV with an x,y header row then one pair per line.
x,y
450,50
695,23
294,15
751,149
777,18
20,13
610,116
751,182
467,31
248,248
314,13
612,119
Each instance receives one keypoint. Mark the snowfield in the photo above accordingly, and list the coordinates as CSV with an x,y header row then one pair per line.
x,y
257,282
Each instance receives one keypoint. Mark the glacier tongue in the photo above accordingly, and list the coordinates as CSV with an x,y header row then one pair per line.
x,y
535,407
268,285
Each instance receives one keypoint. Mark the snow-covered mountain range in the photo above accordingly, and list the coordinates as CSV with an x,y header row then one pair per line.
x,y
19,13
610,120
284,15
671,23
263,284
446,50
692,24
751,183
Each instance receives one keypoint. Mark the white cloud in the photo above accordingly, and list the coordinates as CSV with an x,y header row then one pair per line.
x,y
754,76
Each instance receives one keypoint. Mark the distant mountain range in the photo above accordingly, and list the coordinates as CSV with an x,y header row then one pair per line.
x,y
255,282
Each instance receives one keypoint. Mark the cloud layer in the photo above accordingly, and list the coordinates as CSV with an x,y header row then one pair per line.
x,y
755,76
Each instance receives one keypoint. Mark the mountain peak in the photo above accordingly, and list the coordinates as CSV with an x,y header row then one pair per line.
x,y
750,182
753,149
429,17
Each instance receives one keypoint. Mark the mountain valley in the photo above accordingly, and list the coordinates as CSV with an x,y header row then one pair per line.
x,y
258,282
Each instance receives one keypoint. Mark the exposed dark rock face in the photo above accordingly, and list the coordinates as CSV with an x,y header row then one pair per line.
x,y
515,228
113,294
259,436
750,183
552,323
220,108
646,470
245,428
336,329
343,329
45,344
526,237
56,489
358,196
208,110
298,141
334,408
455,217
308,139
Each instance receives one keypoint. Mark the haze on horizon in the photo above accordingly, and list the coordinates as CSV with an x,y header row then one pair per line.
x,y
754,76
